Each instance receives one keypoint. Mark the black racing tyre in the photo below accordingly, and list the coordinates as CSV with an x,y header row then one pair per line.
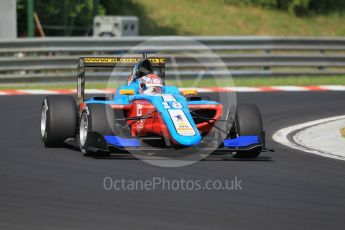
x,y
58,120
248,122
95,118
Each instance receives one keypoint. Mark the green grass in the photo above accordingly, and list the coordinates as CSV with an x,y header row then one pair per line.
x,y
270,81
251,81
215,17
298,81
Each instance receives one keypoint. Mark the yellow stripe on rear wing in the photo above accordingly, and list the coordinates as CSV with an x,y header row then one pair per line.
x,y
122,61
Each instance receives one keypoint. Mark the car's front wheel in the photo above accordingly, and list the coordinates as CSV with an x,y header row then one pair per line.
x,y
248,122
95,120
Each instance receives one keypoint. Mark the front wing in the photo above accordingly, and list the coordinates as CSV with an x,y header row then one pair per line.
x,y
115,144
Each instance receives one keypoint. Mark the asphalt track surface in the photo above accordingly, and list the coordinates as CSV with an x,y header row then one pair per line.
x,y
60,189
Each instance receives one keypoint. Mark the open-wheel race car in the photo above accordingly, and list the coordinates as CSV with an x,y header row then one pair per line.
x,y
145,115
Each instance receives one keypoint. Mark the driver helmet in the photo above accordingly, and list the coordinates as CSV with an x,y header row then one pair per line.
x,y
150,84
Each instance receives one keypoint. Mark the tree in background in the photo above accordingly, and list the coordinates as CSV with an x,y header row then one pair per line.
x,y
61,18
74,17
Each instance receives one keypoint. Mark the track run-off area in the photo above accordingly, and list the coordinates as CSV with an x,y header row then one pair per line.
x,y
61,189
322,137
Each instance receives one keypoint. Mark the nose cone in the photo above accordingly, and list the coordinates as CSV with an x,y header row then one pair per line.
x,y
182,127
177,118
188,140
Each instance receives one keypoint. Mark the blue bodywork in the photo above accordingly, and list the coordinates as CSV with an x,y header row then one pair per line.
x,y
241,141
122,142
158,102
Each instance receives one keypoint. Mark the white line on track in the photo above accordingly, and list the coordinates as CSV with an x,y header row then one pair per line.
x,y
244,89
36,91
282,137
290,88
95,91
333,87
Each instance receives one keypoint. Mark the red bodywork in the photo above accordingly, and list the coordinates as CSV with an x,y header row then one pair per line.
x,y
154,124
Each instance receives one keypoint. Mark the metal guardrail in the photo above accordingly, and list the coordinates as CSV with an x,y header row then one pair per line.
x,y
55,59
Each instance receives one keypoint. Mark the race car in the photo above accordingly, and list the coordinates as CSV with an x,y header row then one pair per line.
x,y
147,116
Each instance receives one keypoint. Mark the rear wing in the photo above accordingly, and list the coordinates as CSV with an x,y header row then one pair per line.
x,y
156,62
121,61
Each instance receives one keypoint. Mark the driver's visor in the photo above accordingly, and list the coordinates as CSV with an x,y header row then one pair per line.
x,y
154,88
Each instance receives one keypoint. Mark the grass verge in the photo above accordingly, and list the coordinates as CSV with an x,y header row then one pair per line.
x,y
216,17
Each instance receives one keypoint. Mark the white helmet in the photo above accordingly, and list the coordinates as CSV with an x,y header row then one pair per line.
x,y
150,84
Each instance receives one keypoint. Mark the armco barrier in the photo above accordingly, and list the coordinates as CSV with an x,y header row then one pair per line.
x,y
55,59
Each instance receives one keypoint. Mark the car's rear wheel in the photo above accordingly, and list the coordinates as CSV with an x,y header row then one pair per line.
x,y
58,120
95,118
248,122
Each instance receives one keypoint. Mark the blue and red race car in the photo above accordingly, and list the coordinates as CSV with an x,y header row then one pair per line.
x,y
134,121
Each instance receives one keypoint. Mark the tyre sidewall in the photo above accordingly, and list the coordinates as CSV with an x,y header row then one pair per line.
x,y
98,121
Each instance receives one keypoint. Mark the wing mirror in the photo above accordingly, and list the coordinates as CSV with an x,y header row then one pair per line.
x,y
189,92
127,92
